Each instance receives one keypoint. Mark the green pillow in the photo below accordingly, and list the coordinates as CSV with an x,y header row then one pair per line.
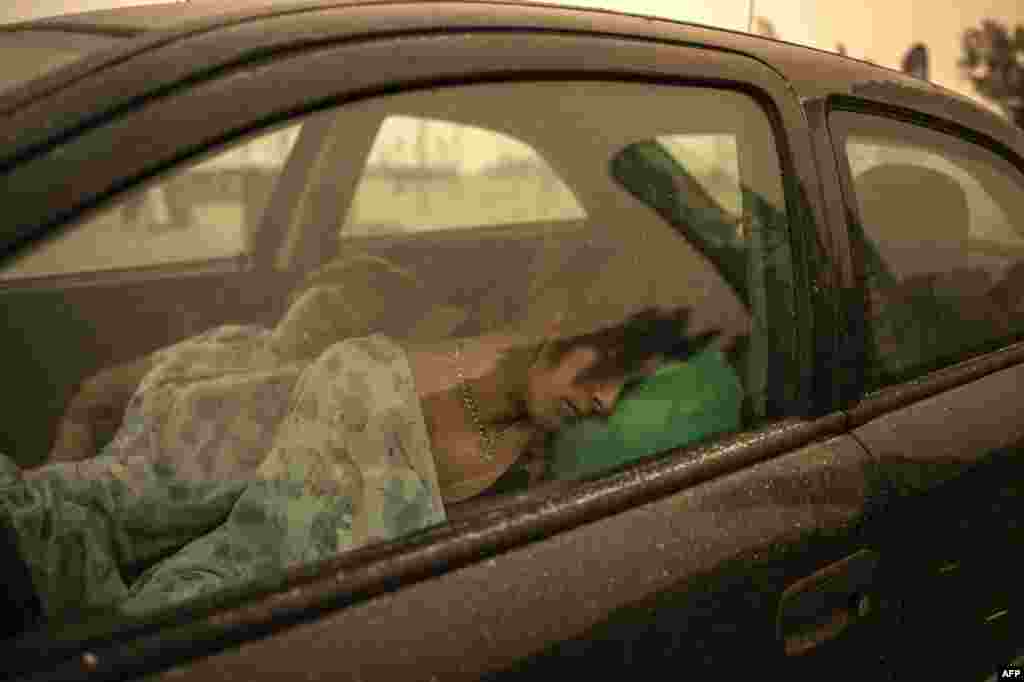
x,y
683,402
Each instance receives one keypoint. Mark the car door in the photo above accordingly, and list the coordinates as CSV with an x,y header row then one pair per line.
x,y
937,236
750,538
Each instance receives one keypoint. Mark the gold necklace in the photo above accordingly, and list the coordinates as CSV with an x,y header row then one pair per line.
x,y
488,439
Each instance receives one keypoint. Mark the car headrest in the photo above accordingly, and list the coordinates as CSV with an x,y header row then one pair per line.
x,y
917,217
357,295
611,274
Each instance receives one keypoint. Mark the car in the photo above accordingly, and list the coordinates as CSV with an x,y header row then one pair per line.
x,y
839,492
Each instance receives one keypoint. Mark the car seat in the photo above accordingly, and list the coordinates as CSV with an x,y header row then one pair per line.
x,y
352,296
916,216
359,294
914,227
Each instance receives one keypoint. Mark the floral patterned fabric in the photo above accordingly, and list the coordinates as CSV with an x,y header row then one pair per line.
x,y
230,465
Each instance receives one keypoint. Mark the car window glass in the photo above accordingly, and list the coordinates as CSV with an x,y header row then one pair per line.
x,y
365,386
942,243
988,220
714,163
207,212
694,181
428,174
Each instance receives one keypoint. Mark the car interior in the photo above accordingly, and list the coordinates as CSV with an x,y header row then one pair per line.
x,y
917,256
675,247
468,281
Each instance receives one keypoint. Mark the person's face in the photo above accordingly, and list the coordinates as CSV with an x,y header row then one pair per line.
x,y
558,390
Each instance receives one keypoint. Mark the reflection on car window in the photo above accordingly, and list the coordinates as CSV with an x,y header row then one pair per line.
x,y
207,212
426,174
223,427
943,245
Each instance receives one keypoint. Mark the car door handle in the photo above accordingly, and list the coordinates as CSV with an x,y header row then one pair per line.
x,y
821,606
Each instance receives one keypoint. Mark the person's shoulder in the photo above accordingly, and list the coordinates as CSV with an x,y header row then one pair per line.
x,y
374,348
432,366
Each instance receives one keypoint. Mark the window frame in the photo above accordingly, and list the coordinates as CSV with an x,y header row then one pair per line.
x,y
374,570
80,44
839,131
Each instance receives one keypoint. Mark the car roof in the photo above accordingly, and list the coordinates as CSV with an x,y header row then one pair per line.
x,y
812,73
177,15
185,16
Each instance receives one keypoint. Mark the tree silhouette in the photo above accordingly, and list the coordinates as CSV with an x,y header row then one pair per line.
x,y
993,61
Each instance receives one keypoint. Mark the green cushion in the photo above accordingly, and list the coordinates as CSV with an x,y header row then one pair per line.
x,y
682,403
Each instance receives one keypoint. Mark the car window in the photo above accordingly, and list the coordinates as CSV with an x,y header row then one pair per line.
x,y
223,426
942,240
428,174
208,211
714,162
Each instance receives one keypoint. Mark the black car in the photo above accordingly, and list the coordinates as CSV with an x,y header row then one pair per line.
x,y
849,503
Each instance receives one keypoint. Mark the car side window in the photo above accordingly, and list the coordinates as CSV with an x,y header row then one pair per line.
x,y
598,286
428,174
941,241
713,161
207,212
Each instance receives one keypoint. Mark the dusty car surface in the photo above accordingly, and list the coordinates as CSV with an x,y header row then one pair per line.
x,y
203,198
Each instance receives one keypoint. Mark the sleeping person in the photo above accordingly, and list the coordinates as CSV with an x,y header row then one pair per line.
x,y
232,462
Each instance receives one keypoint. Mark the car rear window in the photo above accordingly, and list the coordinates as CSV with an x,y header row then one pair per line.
x,y
942,241
27,55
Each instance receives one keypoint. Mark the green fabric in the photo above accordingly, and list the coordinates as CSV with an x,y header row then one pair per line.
x,y
82,527
682,403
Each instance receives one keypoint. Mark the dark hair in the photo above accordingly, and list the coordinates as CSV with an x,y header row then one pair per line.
x,y
623,348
